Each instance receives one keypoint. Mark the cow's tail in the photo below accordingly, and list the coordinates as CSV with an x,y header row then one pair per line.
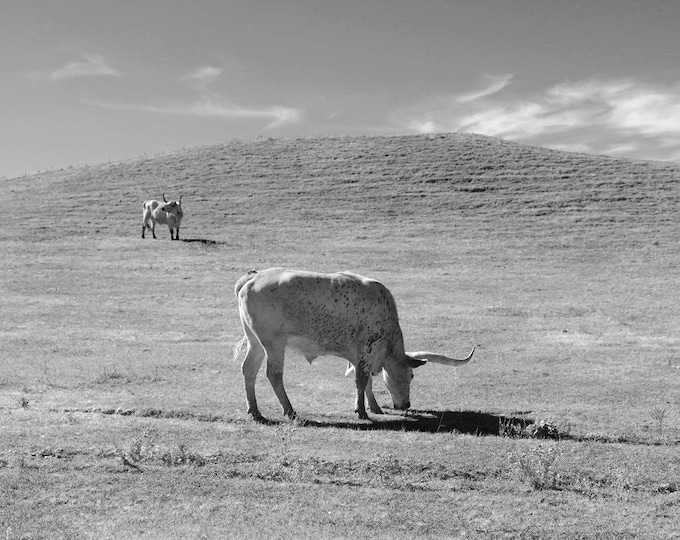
x,y
243,280
241,347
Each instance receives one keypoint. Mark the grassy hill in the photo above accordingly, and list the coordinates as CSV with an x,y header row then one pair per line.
x,y
561,268
353,186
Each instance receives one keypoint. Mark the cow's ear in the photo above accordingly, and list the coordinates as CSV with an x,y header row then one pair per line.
x,y
414,362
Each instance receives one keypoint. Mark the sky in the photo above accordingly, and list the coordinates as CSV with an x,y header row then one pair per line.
x,y
93,81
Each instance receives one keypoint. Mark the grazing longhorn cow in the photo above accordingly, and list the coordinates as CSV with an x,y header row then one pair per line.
x,y
166,213
341,314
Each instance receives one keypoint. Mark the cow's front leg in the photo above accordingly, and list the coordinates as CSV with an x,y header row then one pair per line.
x,y
372,403
362,380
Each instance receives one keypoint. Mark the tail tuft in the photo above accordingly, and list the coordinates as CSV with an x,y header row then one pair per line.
x,y
240,349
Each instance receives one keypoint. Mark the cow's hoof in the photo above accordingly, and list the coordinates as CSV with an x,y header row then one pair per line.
x,y
256,415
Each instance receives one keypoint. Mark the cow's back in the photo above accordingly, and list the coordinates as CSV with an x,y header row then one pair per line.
x,y
338,312
150,206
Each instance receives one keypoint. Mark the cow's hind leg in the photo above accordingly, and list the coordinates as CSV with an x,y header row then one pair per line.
x,y
250,366
275,351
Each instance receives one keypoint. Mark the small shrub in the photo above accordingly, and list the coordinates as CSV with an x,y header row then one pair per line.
x,y
179,454
147,449
543,430
538,467
142,448
668,487
510,427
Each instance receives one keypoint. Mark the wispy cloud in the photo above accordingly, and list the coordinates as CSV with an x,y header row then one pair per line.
x,y
276,116
619,117
203,76
92,65
496,83
208,103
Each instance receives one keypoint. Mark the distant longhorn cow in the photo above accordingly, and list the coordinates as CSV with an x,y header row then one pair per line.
x,y
166,213
340,314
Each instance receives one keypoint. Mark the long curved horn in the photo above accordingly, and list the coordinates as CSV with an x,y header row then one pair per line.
x,y
164,199
440,359
180,198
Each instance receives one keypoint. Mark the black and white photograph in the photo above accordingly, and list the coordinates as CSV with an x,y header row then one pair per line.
x,y
340,269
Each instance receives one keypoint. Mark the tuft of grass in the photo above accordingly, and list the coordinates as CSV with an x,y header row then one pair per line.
x,y
659,416
284,434
142,447
147,449
179,454
46,373
538,467
111,376
386,468
508,427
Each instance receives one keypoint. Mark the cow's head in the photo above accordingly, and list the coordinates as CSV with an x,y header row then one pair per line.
x,y
398,375
173,207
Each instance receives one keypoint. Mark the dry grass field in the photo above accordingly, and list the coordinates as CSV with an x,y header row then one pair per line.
x,y
122,413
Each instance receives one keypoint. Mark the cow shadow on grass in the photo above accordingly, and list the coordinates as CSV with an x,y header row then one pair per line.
x,y
205,241
429,421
